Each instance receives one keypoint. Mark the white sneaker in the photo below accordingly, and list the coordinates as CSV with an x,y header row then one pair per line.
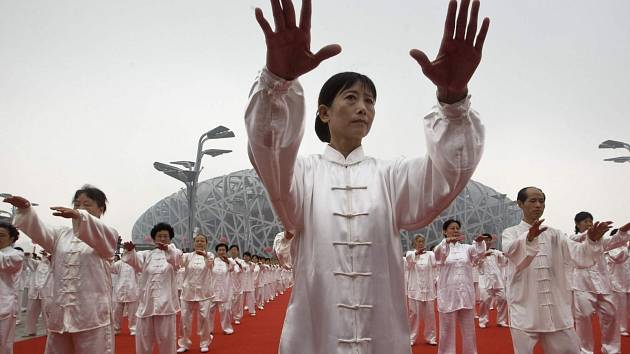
x,y
433,342
481,325
502,324
132,333
228,332
625,334
237,322
181,350
204,349
245,308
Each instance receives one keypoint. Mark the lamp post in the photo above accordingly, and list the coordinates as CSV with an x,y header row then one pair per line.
x,y
613,144
190,175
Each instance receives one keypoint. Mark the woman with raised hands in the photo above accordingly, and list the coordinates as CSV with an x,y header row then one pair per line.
x,y
79,312
158,305
197,294
346,208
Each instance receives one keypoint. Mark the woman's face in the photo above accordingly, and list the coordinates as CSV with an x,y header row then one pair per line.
x,y
163,236
452,230
83,202
5,238
584,224
419,244
221,251
351,114
200,243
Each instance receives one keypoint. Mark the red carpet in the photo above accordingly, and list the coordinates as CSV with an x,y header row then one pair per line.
x,y
261,335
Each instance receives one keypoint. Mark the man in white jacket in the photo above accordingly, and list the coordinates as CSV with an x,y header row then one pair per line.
x,y
618,261
492,286
538,296
126,295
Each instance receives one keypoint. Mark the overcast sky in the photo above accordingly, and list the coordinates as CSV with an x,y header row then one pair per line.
x,y
96,91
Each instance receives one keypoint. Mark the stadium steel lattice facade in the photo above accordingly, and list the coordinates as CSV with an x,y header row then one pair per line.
x,y
235,208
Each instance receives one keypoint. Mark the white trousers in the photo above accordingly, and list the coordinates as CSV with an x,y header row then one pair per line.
x,y
237,306
260,300
487,295
622,302
225,316
448,321
559,342
7,334
119,308
586,305
249,300
422,311
158,331
99,340
204,324
34,308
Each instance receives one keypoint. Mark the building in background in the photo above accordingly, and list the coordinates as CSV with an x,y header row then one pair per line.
x,y
234,209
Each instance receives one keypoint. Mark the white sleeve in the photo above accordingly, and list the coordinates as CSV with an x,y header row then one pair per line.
x,y
96,234
274,120
282,248
423,187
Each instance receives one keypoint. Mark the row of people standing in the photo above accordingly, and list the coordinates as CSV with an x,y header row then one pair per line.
x,y
81,306
544,305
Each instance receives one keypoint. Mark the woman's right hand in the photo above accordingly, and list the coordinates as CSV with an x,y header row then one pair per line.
x,y
128,246
18,202
289,47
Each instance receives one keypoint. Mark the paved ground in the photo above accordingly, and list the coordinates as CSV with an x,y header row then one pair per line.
x,y
20,329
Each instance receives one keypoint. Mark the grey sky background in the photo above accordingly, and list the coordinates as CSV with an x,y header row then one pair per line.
x,y
95,91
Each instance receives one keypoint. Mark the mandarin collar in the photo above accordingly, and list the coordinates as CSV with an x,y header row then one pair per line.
x,y
335,156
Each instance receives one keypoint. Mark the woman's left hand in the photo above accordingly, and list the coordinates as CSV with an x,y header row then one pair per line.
x,y
162,246
459,54
67,213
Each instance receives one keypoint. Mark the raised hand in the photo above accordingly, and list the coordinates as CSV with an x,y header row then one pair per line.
x,y
456,238
289,47
128,246
202,253
597,231
535,230
459,54
18,202
162,246
67,213
625,228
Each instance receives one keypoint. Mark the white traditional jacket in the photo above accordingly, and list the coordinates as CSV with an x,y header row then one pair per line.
x,y
538,295
422,274
618,261
158,286
247,276
40,277
491,270
197,284
455,289
596,279
82,286
126,285
221,285
349,291
10,269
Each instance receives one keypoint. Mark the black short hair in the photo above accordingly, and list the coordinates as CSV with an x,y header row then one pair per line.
x,y
246,253
448,222
216,248
486,234
522,194
234,246
255,255
13,232
93,193
19,249
330,90
581,216
161,226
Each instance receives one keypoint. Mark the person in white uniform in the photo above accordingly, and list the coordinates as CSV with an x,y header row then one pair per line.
x,y
258,282
158,305
345,208
618,261
247,284
539,297
37,295
421,270
79,312
455,290
11,261
492,285
236,278
197,295
126,295
593,293
221,286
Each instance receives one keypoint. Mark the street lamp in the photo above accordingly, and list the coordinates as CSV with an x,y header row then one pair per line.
x,y
190,176
613,144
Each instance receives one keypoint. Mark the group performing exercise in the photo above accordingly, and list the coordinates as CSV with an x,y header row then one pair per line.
x,y
354,289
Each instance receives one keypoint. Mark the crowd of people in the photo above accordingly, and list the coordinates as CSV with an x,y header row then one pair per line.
x,y
82,288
